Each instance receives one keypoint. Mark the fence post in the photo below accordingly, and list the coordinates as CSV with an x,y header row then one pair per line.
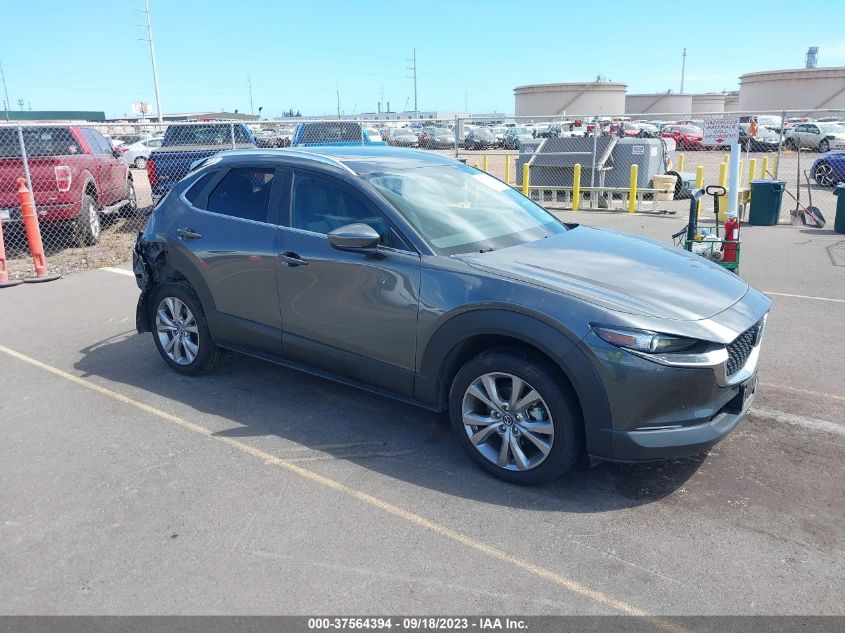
x,y
632,192
699,183
525,176
457,129
232,133
764,168
25,162
681,159
780,141
576,186
593,170
507,170
484,164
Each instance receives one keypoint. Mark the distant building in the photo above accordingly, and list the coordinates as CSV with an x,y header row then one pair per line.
x,y
427,115
52,115
190,116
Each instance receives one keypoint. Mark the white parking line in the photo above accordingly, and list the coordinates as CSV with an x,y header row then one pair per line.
x,y
784,294
119,271
799,420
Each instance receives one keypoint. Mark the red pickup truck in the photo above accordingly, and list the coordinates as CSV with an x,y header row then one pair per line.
x,y
76,176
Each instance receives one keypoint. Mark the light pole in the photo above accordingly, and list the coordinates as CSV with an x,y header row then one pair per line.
x,y
153,57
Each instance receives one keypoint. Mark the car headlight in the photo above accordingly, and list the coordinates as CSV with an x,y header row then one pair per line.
x,y
644,340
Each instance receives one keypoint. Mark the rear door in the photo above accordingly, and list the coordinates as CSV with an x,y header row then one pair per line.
x,y
99,167
226,235
114,167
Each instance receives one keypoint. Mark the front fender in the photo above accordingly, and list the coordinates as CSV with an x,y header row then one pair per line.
x,y
430,386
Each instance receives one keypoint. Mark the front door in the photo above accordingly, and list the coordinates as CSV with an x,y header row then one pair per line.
x,y
227,245
345,312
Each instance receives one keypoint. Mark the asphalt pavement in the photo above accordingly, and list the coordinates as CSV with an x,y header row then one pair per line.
x,y
259,490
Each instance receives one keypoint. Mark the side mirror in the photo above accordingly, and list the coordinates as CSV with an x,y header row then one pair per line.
x,y
116,153
355,237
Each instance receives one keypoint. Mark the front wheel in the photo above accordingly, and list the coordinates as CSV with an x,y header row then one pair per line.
x,y
180,330
514,418
823,175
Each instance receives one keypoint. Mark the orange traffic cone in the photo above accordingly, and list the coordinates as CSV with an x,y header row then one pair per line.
x,y
33,235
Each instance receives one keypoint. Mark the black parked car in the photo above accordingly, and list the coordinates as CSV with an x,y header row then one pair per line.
x,y
480,138
415,276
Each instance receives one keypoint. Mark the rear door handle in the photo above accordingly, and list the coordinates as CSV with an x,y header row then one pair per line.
x,y
293,259
188,234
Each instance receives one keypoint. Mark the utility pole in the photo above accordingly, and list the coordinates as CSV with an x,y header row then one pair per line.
x,y
414,76
153,57
249,81
338,104
6,104
683,69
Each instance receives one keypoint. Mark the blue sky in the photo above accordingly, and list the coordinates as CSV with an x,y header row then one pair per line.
x,y
89,54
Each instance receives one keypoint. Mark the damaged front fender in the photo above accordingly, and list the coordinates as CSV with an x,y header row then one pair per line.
x,y
144,256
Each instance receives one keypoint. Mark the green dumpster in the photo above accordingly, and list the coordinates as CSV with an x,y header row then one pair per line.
x,y
839,223
766,196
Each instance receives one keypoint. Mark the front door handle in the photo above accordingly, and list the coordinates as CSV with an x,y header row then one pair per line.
x,y
188,234
293,259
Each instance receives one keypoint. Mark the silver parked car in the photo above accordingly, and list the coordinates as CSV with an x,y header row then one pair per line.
x,y
414,276
137,154
821,136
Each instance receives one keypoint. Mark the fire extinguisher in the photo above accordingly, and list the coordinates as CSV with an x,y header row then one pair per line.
x,y
731,237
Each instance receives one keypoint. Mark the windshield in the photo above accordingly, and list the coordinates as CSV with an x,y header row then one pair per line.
x,y
39,141
520,130
690,129
831,128
458,209
442,132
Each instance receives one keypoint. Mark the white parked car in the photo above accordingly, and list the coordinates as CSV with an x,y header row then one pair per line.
x,y
136,155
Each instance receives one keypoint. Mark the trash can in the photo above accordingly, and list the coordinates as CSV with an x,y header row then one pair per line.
x,y
839,223
766,197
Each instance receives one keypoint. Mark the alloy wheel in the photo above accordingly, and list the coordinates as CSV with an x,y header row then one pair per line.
x,y
177,331
824,175
507,421
93,220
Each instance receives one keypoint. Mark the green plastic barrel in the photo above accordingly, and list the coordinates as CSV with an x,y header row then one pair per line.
x,y
766,197
839,223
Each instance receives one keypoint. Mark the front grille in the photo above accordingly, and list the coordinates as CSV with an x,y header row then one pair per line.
x,y
740,349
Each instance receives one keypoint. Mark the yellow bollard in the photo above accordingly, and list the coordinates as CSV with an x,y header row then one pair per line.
x,y
476,165
632,192
507,170
681,159
723,175
726,158
752,170
764,168
774,170
525,176
484,164
699,183
576,187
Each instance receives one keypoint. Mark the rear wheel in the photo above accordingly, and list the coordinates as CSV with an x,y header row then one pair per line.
x,y
824,145
513,417
790,144
88,222
141,162
823,175
131,206
180,329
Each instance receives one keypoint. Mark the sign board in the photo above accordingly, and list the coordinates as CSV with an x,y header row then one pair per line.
x,y
638,149
142,107
721,131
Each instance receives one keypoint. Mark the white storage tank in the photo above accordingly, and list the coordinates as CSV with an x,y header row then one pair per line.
x,y
801,89
659,103
572,99
732,101
709,102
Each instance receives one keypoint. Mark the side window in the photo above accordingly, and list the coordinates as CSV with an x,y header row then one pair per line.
x,y
321,205
155,142
195,191
240,135
88,133
102,143
243,193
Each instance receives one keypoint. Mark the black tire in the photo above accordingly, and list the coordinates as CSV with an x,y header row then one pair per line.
x,y
823,175
824,146
208,353
681,146
790,144
88,223
130,209
140,162
562,404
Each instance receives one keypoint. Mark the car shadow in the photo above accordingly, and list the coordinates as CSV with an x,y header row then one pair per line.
x,y
250,398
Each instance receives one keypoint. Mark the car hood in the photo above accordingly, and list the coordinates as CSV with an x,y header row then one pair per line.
x,y
619,272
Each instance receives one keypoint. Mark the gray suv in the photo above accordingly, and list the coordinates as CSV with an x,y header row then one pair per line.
x,y
417,277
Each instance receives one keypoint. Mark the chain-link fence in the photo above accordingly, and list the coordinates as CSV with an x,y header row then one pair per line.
x,y
94,184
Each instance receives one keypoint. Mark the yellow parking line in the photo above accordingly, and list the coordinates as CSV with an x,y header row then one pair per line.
x,y
446,532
